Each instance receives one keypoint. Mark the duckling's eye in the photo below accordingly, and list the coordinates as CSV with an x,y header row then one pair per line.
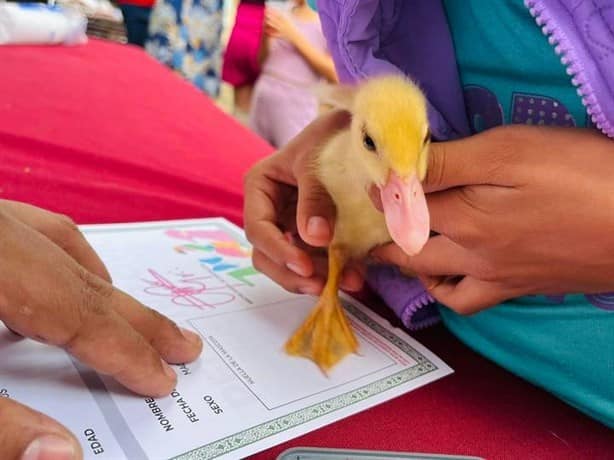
x,y
368,142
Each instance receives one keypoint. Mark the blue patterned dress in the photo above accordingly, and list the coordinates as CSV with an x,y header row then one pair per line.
x,y
186,36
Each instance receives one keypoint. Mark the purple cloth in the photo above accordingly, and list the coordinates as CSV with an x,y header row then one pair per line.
x,y
582,33
405,296
372,37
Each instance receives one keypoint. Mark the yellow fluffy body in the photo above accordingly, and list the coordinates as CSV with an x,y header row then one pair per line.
x,y
358,225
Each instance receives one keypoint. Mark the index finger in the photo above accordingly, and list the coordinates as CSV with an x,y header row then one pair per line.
x,y
83,319
475,160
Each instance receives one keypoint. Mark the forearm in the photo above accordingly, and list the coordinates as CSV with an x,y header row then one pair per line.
x,y
319,60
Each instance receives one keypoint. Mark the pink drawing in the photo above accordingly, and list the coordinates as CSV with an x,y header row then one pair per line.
x,y
193,235
190,290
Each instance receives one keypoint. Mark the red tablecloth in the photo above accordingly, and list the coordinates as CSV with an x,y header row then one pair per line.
x,y
104,134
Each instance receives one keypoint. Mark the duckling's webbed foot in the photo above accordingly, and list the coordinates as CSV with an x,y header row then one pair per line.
x,y
326,336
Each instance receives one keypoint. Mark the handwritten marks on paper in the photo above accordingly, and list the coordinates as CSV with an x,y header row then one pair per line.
x,y
224,270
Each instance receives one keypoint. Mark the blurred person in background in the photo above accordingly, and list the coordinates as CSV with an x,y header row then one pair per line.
x,y
186,35
241,66
136,18
295,60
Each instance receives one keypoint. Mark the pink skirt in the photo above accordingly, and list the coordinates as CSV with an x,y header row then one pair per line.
x,y
241,66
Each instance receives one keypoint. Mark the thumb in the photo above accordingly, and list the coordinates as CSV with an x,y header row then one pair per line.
x,y
316,212
473,160
29,435
466,295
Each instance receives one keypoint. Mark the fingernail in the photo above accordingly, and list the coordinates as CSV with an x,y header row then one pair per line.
x,y
190,336
50,446
168,370
317,227
296,269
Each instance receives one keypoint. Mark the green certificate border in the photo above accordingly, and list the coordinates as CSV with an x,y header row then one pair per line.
x,y
280,424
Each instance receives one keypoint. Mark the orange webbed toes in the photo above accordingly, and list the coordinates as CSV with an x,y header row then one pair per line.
x,y
325,337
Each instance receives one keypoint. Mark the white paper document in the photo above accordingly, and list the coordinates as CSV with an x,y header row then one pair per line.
x,y
244,394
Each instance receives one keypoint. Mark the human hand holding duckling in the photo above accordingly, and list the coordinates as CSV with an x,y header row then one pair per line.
x,y
519,210
289,216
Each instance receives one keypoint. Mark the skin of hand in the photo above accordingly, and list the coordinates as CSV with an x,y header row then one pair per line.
x,y
278,25
56,290
288,244
519,210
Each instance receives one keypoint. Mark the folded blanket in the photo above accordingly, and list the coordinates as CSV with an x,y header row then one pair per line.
x,y
36,23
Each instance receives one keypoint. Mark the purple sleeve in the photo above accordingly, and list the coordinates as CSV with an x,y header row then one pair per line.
x,y
374,37
405,296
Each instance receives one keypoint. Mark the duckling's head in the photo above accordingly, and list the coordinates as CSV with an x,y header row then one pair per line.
x,y
390,135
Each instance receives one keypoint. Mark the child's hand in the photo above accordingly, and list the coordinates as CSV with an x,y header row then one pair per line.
x,y
278,25
289,216
520,210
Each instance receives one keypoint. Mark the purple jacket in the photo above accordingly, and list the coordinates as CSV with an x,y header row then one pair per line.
x,y
371,37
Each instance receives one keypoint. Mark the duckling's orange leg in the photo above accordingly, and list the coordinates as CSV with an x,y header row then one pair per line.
x,y
326,336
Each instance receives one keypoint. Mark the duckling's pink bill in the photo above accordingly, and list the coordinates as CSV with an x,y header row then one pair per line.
x,y
407,216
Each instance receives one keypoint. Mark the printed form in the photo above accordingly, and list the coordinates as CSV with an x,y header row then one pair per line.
x,y
244,394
